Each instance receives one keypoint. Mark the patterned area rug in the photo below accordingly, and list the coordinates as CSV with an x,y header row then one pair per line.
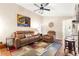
x,y
52,49
37,49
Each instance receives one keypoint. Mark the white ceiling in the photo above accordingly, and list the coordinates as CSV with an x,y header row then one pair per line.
x,y
57,9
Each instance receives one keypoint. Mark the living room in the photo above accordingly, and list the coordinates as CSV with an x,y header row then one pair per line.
x,y
39,25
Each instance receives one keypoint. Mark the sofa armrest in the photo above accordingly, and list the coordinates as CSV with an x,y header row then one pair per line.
x,y
17,42
16,38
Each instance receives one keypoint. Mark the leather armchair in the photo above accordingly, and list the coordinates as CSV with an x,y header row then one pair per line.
x,y
51,35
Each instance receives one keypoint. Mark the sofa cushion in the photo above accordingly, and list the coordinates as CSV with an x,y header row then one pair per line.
x,y
20,32
20,36
28,35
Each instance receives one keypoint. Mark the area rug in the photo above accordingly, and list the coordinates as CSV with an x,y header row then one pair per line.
x,y
38,49
52,49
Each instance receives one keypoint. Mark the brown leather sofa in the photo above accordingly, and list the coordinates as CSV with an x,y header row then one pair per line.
x,y
50,37
22,38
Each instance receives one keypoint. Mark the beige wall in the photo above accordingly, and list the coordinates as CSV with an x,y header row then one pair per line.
x,y
8,20
57,21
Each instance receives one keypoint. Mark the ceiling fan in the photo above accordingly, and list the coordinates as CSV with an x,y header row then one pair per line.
x,y
42,7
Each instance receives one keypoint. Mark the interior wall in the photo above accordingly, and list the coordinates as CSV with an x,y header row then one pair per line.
x,y
8,19
57,21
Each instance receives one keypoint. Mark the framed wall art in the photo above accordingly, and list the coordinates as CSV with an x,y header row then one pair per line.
x,y
23,21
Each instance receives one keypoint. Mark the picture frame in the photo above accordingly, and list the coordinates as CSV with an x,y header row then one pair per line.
x,y
23,21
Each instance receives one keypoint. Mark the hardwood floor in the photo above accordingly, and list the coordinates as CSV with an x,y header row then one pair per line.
x,y
4,52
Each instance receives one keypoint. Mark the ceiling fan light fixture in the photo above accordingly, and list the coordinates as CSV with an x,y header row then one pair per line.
x,y
42,7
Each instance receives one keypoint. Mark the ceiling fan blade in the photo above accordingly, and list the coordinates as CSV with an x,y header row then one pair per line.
x,y
36,10
47,9
46,4
36,5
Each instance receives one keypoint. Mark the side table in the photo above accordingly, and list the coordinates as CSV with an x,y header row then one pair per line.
x,y
10,44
